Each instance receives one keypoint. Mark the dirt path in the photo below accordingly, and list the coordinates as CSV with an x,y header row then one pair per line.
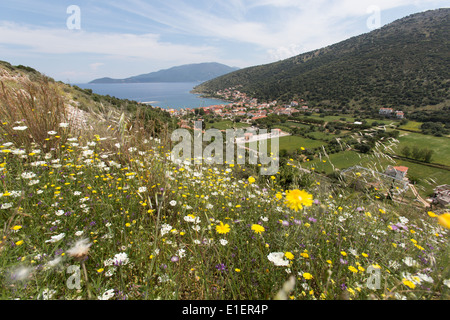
x,y
417,195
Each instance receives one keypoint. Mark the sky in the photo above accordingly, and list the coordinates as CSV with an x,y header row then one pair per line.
x,y
76,41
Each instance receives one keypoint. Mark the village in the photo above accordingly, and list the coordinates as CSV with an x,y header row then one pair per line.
x,y
248,109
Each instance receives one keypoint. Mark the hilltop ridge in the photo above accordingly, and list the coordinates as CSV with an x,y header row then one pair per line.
x,y
186,73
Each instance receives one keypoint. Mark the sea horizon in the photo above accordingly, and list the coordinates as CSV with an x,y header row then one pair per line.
x,y
166,95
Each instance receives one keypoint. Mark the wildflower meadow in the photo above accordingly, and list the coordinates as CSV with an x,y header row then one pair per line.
x,y
103,213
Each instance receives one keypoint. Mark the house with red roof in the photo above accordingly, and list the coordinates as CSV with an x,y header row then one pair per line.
x,y
399,172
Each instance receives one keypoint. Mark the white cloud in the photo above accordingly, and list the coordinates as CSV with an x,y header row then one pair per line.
x,y
64,41
96,65
282,53
306,23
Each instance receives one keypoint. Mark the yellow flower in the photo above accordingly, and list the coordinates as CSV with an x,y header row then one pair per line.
x,y
344,253
444,220
432,214
296,199
15,228
258,228
237,270
289,255
222,228
409,283
20,242
304,255
353,269
307,276
251,180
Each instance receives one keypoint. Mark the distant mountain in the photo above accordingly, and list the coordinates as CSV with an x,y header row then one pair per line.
x,y
403,64
186,73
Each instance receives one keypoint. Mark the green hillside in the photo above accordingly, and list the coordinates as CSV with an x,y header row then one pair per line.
x,y
399,65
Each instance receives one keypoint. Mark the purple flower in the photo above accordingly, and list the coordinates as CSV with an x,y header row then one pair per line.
x,y
312,219
174,259
221,267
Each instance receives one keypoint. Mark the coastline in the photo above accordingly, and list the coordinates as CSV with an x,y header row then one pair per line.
x,y
173,95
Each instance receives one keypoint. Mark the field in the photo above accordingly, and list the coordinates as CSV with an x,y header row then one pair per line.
x,y
427,177
440,145
292,143
224,125
349,118
412,126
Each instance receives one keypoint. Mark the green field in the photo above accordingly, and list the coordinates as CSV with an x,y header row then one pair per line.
x,y
293,143
440,145
224,125
412,125
341,160
428,177
349,119
295,124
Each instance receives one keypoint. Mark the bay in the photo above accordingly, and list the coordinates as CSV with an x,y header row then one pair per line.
x,y
165,95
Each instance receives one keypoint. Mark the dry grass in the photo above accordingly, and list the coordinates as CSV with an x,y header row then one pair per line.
x,y
37,106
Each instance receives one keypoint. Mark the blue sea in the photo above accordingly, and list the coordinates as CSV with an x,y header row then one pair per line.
x,y
165,95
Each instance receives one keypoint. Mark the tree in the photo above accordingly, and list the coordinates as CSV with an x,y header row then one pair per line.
x,y
417,153
363,147
406,151
427,155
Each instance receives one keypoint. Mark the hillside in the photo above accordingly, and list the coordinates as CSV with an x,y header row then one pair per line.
x,y
186,73
75,101
400,65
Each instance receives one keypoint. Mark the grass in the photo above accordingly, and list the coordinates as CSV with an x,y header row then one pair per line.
x,y
152,229
440,145
292,143
350,119
427,177
412,126
224,125
341,160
